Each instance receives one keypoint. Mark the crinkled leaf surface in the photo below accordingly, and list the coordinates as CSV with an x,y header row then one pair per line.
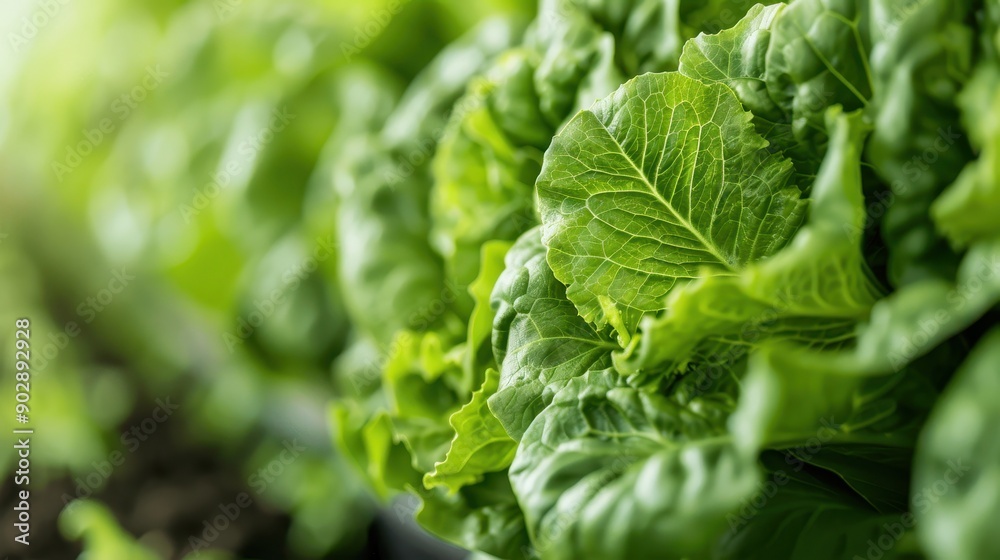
x,y
615,473
480,445
538,339
664,180
815,289
483,516
737,57
819,57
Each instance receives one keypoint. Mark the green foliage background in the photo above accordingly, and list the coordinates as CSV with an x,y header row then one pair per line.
x,y
592,279
78,204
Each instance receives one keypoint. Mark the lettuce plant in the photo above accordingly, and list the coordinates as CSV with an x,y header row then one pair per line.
x,y
683,280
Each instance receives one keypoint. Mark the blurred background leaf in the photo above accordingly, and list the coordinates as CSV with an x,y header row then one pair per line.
x,y
167,220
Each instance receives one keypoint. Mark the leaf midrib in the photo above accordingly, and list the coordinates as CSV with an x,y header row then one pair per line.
x,y
710,247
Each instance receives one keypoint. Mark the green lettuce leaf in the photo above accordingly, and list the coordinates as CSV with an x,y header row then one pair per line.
x,y
616,473
903,328
483,181
793,515
362,427
423,381
966,212
879,474
912,321
956,486
481,445
819,57
478,343
662,181
484,517
538,339
921,57
382,235
383,175
813,290
737,57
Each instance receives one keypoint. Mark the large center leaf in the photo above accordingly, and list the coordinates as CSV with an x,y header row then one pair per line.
x,y
813,291
662,181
